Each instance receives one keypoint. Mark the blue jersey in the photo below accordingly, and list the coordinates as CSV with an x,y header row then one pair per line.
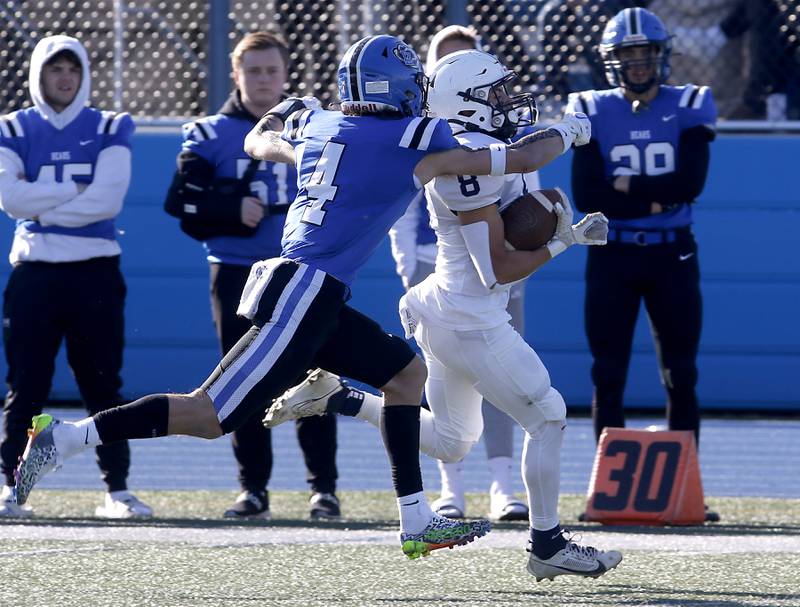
x,y
51,154
356,178
646,142
219,140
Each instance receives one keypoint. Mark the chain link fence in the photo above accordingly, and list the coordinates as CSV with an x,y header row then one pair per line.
x,y
151,57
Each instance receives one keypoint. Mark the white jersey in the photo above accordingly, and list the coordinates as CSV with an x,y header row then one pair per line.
x,y
454,296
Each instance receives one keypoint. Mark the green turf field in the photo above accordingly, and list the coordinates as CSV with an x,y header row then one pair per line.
x,y
189,556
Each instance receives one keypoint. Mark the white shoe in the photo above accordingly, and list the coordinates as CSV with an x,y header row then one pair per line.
x,y
122,504
9,508
573,559
304,400
507,508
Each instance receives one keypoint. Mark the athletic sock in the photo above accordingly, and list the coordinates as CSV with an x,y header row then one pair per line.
x,y
500,470
415,513
400,432
71,438
371,409
147,417
546,543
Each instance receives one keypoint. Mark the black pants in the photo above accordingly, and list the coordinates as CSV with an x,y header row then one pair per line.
x,y
83,303
252,442
667,277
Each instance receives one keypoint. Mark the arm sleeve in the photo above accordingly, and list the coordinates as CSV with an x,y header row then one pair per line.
x,y
403,238
23,199
591,191
102,199
687,181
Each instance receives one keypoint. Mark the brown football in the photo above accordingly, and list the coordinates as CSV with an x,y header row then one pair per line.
x,y
530,220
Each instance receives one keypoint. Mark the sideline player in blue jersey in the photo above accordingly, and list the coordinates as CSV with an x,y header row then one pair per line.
x,y
645,166
244,223
64,171
358,171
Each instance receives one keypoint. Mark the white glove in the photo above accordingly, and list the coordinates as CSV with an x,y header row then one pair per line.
x,y
591,230
574,129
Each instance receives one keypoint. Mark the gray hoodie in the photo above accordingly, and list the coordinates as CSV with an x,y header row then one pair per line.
x,y
44,50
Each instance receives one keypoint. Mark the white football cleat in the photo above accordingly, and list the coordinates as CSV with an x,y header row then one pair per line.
x,y
122,504
9,508
573,559
304,400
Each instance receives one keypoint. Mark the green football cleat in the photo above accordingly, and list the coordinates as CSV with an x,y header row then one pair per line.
x,y
39,458
442,532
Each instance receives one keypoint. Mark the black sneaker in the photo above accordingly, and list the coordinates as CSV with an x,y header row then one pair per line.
x,y
324,507
711,516
250,504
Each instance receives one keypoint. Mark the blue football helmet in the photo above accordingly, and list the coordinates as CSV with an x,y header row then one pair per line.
x,y
381,74
635,27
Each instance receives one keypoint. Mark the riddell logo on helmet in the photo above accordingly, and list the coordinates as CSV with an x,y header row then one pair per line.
x,y
364,107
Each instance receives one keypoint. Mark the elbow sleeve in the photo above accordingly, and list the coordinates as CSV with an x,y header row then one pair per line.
x,y
476,238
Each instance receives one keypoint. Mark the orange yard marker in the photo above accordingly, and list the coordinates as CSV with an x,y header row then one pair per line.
x,y
646,478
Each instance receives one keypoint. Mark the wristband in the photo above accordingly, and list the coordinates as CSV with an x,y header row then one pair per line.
x,y
567,136
498,158
556,247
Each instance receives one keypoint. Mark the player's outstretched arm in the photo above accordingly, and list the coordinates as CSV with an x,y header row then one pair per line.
x,y
528,154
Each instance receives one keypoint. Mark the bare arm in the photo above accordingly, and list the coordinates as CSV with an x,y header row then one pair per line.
x,y
507,265
264,141
528,154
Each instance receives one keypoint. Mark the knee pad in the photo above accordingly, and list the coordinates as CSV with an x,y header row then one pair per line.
x,y
451,450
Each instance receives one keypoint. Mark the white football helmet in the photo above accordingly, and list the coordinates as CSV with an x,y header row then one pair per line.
x,y
469,89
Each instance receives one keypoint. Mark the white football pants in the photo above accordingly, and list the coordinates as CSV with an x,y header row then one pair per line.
x,y
497,364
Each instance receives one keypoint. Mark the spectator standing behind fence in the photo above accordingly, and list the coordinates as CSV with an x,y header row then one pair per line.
x,y
414,250
566,40
701,52
772,88
238,206
645,165
64,171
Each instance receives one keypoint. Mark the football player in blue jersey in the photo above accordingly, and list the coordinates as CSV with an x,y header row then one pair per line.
x,y
645,166
64,171
358,170
242,224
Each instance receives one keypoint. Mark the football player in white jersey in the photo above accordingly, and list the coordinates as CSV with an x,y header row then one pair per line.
x,y
458,315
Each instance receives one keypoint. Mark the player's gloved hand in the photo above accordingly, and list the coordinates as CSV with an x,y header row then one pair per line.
x,y
563,237
591,230
574,129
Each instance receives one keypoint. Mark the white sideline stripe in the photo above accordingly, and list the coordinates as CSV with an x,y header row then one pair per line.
x,y
682,543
